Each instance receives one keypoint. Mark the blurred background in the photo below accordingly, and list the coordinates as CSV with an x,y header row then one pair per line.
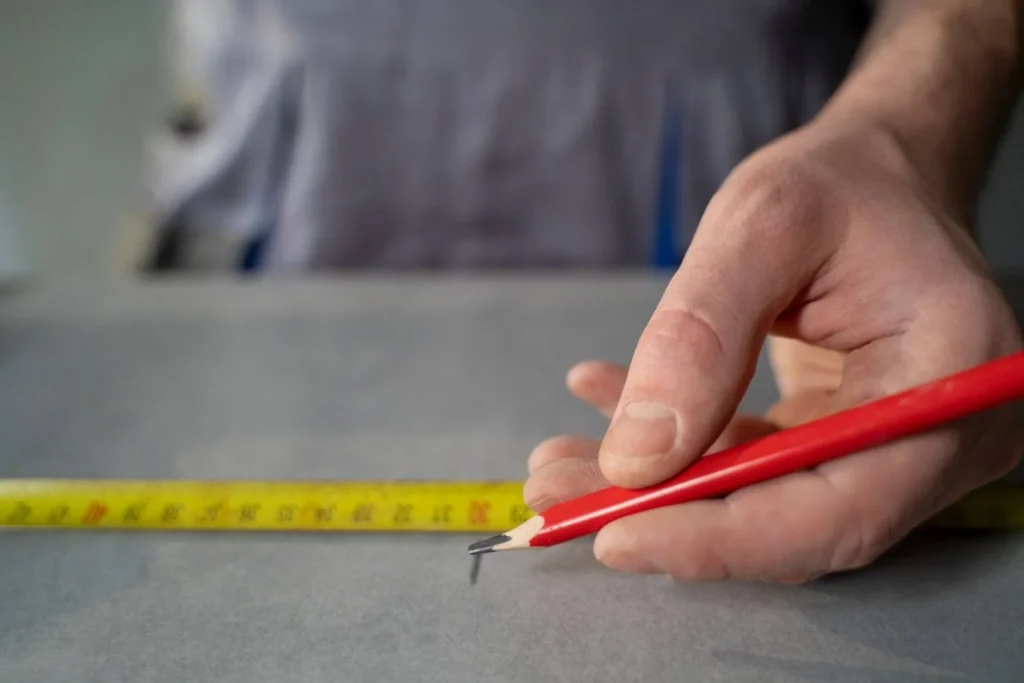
x,y
82,86
86,84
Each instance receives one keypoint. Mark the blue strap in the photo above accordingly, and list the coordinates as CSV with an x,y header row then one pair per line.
x,y
252,257
665,252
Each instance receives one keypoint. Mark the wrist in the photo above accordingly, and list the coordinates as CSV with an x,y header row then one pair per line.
x,y
895,149
938,79
874,145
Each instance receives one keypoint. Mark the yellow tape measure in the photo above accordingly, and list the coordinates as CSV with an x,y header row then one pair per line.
x,y
262,505
422,506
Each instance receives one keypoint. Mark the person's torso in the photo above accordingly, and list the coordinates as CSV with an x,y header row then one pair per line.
x,y
522,133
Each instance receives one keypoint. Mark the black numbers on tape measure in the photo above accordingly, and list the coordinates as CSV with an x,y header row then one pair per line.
x,y
286,513
363,513
248,513
20,514
212,513
442,514
172,512
519,514
58,514
134,512
324,515
403,513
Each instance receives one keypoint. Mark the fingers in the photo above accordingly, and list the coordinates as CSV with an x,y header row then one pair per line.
x,y
696,356
772,531
784,530
561,448
838,517
561,468
790,529
844,514
565,467
562,480
801,368
598,383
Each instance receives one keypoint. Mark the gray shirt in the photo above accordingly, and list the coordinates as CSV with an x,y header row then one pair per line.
x,y
485,133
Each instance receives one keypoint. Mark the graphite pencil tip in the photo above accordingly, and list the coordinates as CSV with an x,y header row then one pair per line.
x,y
474,570
487,545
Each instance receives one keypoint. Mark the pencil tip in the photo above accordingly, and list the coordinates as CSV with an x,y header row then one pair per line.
x,y
487,545
474,570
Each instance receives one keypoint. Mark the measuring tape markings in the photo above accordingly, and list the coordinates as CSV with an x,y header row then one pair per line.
x,y
263,506
423,506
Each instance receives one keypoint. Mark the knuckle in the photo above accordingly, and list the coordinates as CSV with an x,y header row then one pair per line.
x,y
779,195
685,334
982,298
537,493
544,452
858,534
699,565
563,478
981,319
864,545
553,446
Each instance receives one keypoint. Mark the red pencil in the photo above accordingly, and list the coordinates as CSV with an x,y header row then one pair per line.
x,y
872,424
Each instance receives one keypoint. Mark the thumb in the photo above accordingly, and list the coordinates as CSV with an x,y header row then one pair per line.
x,y
697,354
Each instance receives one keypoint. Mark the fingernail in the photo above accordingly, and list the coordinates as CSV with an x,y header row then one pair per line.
x,y
644,429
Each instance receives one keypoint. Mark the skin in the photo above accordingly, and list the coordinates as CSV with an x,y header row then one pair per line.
x,y
846,247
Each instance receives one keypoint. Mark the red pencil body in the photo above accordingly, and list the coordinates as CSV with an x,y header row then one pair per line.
x,y
872,424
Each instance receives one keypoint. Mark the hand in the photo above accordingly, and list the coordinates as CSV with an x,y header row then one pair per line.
x,y
828,244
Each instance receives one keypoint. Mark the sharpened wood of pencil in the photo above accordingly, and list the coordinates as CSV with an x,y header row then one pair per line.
x,y
785,452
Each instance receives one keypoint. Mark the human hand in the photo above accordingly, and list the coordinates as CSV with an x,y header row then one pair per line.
x,y
830,242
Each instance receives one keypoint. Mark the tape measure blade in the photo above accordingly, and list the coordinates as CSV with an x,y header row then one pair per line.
x,y
430,506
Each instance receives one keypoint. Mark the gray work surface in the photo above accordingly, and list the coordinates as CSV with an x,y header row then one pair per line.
x,y
406,378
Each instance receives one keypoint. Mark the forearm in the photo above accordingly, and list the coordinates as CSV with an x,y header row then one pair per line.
x,y
941,77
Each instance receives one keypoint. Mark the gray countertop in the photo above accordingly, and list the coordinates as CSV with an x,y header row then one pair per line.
x,y
405,378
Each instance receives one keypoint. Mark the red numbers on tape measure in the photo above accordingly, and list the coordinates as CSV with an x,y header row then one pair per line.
x,y
94,513
478,512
